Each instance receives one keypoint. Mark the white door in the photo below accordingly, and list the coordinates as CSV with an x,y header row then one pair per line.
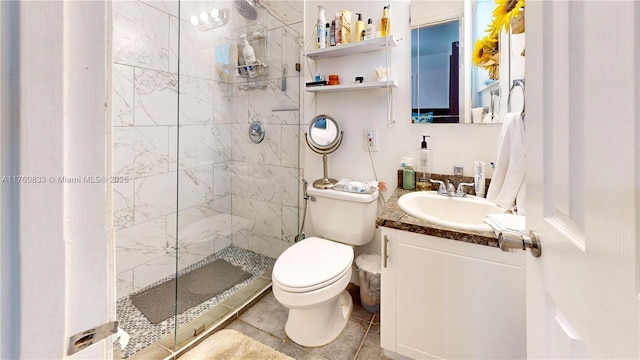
x,y
583,174
57,251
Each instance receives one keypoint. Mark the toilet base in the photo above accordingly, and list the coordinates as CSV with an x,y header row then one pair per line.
x,y
317,326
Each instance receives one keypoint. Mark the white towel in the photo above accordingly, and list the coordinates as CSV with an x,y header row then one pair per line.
x,y
347,185
507,182
506,222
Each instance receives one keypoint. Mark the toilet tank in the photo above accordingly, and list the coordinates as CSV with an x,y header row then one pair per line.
x,y
348,218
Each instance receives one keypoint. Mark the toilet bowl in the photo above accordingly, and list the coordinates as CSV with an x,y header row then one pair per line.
x,y
310,277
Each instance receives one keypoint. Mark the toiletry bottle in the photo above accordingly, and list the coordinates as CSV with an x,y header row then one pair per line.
x,y
332,33
359,27
247,51
385,24
403,164
424,165
363,35
322,39
242,69
369,30
327,32
249,56
408,176
321,17
479,178
338,29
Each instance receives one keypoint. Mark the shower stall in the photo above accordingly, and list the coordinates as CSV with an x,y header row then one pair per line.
x,y
199,190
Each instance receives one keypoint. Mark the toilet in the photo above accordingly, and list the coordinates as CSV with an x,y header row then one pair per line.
x,y
310,277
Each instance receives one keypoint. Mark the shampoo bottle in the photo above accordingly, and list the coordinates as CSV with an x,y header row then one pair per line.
x,y
249,56
242,69
369,30
359,27
385,24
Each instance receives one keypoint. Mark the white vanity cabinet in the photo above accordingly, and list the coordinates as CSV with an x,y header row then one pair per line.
x,y
448,299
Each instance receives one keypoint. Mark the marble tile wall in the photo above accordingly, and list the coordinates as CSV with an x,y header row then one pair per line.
x,y
202,172
265,175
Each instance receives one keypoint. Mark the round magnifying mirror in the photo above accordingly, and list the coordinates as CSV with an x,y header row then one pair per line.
x,y
324,137
324,134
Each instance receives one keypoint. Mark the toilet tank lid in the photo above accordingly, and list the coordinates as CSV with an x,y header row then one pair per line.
x,y
343,195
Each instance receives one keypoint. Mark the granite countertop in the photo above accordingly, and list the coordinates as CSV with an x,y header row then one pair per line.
x,y
393,217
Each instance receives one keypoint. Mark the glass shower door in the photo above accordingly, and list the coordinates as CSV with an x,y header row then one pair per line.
x,y
237,200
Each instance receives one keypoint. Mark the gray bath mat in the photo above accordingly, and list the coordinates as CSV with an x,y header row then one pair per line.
x,y
158,303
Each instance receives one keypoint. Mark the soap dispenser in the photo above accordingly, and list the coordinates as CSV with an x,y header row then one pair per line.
x,y
369,30
424,165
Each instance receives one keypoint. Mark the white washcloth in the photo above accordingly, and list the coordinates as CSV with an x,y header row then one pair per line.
x,y
347,185
509,222
507,181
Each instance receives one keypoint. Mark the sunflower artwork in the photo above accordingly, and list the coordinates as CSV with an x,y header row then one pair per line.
x,y
486,51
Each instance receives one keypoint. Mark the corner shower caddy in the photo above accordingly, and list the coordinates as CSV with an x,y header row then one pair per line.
x,y
257,37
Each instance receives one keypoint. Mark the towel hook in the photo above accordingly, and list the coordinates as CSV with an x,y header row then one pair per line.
x,y
516,83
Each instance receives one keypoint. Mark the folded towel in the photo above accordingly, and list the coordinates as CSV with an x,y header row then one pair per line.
x,y
347,185
507,181
507,222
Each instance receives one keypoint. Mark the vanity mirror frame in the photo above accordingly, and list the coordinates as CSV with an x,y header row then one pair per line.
x,y
324,145
431,13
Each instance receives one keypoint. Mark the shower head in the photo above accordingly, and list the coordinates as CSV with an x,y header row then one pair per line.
x,y
246,8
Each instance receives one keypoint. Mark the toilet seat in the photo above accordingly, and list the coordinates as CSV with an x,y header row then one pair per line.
x,y
312,264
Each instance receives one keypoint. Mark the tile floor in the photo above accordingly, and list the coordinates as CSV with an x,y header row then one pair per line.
x,y
143,333
360,340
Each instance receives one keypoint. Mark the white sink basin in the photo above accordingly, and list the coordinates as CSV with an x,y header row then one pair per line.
x,y
458,213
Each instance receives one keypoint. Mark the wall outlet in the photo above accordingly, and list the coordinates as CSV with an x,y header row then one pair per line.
x,y
370,140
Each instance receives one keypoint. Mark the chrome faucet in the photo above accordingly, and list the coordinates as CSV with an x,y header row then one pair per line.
x,y
451,190
460,192
442,190
445,190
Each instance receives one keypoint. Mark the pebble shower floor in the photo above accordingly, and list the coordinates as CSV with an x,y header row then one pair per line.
x,y
143,333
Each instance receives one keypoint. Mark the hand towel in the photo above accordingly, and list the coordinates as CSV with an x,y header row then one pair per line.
x,y
506,222
347,185
508,179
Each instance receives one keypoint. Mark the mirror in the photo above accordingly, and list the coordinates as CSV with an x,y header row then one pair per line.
x,y
445,84
323,134
324,137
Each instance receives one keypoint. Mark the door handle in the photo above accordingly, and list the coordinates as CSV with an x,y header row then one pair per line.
x,y
511,240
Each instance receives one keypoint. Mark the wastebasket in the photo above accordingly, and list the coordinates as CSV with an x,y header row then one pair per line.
x,y
369,275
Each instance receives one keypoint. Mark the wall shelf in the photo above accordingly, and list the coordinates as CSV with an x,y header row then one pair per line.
x,y
353,48
353,87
